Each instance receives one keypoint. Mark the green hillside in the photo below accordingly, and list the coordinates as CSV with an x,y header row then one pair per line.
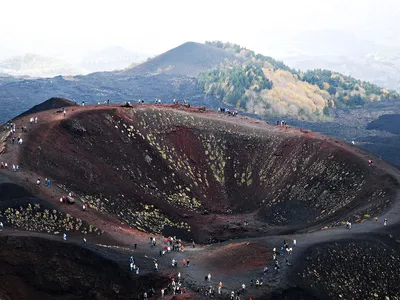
x,y
262,85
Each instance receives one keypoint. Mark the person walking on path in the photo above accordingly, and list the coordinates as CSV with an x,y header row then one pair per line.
x,y
64,236
385,222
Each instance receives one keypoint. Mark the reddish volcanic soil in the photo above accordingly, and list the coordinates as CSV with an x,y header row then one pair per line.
x,y
239,257
161,170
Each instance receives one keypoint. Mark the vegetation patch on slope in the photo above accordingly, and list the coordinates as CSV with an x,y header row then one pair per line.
x,y
20,209
264,86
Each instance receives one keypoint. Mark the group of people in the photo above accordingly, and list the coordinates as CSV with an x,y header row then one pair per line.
x,y
158,101
106,102
132,266
19,140
33,120
281,123
4,165
232,112
12,127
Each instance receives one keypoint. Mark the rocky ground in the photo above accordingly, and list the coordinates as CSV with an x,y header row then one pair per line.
x,y
362,268
152,170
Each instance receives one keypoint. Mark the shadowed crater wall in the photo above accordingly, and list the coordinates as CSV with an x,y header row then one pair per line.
x,y
36,268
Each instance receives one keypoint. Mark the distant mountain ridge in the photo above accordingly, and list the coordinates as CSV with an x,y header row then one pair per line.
x,y
187,59
37,66
111,59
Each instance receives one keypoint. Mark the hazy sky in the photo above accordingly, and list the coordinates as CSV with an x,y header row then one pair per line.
x,y
74,27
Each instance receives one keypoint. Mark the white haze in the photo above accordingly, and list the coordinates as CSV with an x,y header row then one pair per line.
x,y
71,30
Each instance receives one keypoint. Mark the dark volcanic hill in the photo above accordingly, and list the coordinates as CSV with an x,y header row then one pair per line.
x,y
389,123
187,59
51,103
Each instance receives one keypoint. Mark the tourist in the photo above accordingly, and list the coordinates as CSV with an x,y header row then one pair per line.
x,y
64,236
131,265
209,277
385,222
265,270
84,241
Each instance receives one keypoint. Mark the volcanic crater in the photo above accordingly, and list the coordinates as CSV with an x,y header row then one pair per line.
x,y
162,167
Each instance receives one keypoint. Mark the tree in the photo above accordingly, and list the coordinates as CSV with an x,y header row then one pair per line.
x,y
332,90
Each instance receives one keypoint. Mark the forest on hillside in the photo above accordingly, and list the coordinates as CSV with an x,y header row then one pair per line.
x,y
265,86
